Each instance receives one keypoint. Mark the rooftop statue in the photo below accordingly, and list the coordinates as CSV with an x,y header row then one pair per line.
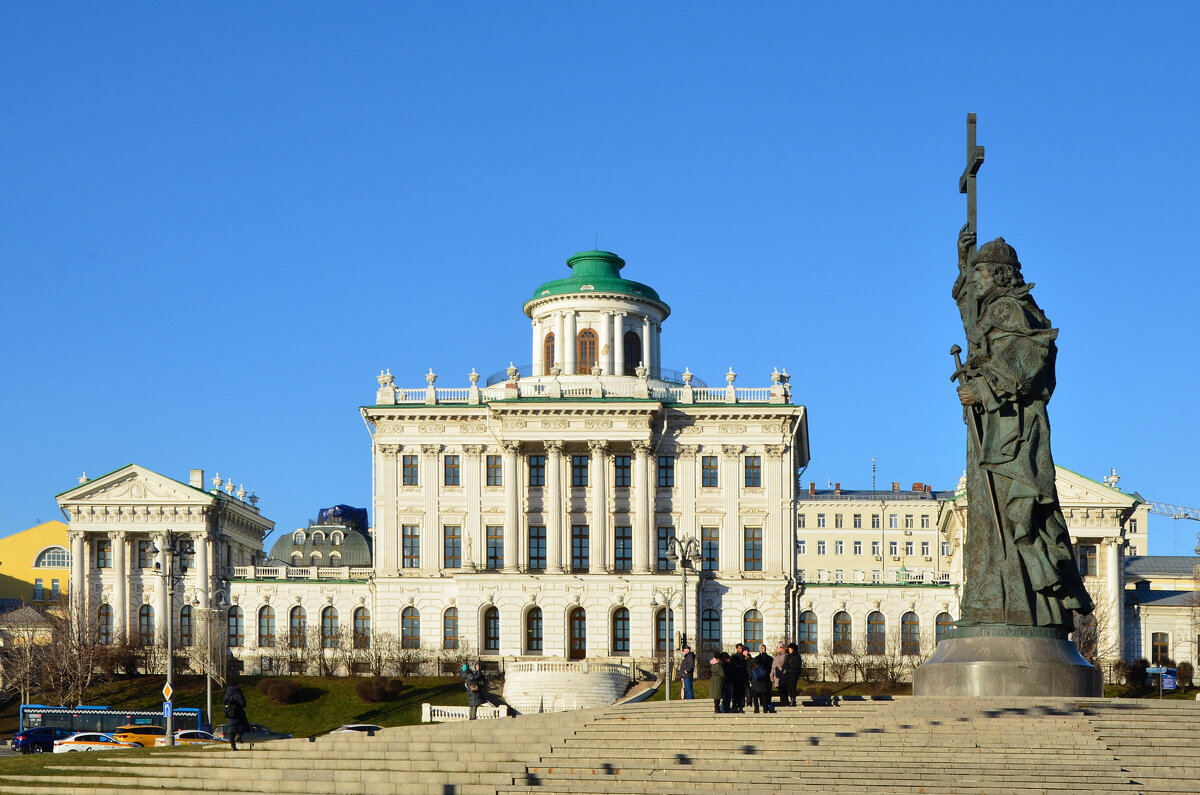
x,y
1020,568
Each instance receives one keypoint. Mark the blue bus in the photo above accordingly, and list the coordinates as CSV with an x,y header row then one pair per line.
x,y
103,719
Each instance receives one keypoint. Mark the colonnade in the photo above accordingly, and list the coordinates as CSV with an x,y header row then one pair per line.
x,y
610,347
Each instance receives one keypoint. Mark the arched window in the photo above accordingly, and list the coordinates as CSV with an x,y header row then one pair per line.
x,y
710,630
104,628
146,625
876,633
491,631
664,629
237,627
362,628
298,537
910,633
752,629
315,559
335,559
808,632
450,628
548,353
335,538
53,558
841,632
941,624
298,628
297,558
330,634
318,537
577,621
620,632
585,351
533,631
266,627
410,628
633,352
185,625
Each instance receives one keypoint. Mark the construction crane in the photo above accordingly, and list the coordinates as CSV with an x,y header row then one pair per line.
x,y
1176,512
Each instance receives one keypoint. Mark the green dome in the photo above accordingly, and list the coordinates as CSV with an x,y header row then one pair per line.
x,y
595,272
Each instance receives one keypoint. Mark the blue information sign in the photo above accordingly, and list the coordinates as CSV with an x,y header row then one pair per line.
x,y
166,709
1168,682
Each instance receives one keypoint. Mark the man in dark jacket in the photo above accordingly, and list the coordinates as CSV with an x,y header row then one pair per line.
x,y
738,680
791,673
476,684
234,706
687,669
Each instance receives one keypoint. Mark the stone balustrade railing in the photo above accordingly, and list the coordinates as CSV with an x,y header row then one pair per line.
x,y
559,666
431,713
301,572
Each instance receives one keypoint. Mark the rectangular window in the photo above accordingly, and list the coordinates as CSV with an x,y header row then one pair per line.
x,y
145,556
708,471
924,521
623,548
839,575
104,554
452,470
893,521
39,591
452,546
579,471
1087,560
837,521
908,521
663,563
54,590
800,521
537,547
875,548
820,547
858,521
495,470
925,548
945,547
753,471
410,537
710,549
893,548
839,548
908,548
874,521
622,466
857,547
802,547
820,520
579,548
410,471
537,470
666,472
753,538
1160,647
876,576
495,547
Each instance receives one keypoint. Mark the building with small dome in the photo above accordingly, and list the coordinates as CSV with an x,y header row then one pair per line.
x,y
330,542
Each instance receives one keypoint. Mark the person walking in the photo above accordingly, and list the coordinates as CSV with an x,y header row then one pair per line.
x,y
234,707
476,684
791,673
716,681
687,669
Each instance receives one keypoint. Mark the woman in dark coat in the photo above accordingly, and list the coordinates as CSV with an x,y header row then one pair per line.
x,y
234,705
475,682
716,681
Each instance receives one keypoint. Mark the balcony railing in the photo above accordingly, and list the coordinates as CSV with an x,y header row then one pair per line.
x,y
656,374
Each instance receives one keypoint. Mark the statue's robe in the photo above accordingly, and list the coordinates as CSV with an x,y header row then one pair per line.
x,y
1025,573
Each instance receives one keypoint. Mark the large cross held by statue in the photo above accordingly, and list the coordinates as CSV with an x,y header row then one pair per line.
x,y
966,183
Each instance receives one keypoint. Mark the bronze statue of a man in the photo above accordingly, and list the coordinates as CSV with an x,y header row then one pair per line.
x,y
1020,567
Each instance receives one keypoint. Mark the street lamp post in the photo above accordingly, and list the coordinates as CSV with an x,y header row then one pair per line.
x,y
667,595
211,615
686,553
169,550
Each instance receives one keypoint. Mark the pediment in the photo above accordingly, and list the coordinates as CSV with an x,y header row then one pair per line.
x,y
134,485
1077,491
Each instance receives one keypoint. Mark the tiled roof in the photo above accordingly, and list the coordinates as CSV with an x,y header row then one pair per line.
x,y
1147,596
1161,565
867,495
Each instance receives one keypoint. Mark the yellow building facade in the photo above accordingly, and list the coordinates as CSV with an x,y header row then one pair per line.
x,y
35,564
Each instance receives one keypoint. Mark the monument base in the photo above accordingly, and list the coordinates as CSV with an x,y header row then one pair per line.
x,y
975,662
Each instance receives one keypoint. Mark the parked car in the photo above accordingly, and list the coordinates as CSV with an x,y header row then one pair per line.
x,y
39,740
257,734
351,728
190,737
89,741
140,734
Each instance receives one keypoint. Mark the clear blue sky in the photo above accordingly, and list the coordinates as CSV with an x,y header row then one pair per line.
x,y
218,222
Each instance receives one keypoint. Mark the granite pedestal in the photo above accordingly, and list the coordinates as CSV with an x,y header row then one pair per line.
x,y
1007,661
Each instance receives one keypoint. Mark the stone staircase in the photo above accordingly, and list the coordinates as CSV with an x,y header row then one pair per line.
x,y
904,746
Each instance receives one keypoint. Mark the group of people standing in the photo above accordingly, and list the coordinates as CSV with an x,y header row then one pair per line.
x,y
743,678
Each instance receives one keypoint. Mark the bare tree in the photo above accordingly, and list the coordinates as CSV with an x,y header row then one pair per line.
x,y
23,651
840,663
74,659
452,660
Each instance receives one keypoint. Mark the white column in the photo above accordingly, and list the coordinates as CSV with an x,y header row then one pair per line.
x,y
560,333
554,508
474,544
161,620
598,531
1112,560
120,598
431,528
569,344
77,597
732,544
387,488
656,348
204,575
512,506
536,360
777,528
641,506
646,341
606,342
619,344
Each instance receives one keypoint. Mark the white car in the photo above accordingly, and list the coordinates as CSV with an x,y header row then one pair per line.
x,y
352,728
89,741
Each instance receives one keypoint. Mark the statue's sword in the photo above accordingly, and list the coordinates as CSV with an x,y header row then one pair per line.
x,y
970,419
